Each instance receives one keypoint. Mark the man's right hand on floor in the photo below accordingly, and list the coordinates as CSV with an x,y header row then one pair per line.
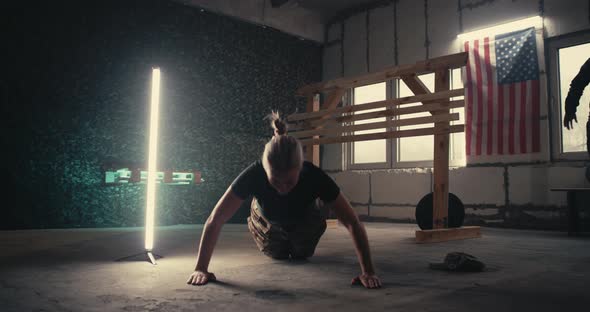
x,y
367,280
201,278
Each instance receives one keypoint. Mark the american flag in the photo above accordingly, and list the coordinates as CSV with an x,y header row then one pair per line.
x,y
502,94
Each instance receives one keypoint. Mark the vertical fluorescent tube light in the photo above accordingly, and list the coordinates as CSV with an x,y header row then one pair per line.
x,y
152,166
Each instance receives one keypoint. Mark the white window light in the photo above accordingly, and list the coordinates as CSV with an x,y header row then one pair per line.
x,y
152,165
535,21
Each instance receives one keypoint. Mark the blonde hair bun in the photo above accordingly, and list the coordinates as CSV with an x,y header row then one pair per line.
x,y
282,152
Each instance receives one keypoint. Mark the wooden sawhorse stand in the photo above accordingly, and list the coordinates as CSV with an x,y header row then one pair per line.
x,y
328,125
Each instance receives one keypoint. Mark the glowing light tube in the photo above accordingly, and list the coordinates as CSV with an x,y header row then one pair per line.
x,y
152,165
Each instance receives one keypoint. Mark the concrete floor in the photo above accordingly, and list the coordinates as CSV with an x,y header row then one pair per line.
x,y
74,270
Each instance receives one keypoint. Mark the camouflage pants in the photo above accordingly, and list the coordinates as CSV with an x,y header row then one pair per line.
x,y
276,242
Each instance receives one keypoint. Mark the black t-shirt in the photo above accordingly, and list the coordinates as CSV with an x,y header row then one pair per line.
x,y
290,208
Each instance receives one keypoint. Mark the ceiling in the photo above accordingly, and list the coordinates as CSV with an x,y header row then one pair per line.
x,y
330,8
303,18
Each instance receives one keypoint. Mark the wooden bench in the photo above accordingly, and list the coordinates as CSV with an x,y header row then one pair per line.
x,y
328,123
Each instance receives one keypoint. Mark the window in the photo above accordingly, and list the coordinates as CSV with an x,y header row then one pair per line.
x,y
375,153
402,152
457,140
570,60
567,54
421,148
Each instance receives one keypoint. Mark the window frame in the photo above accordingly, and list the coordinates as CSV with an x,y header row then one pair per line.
x,y
408,164
393,152
348,148
556,118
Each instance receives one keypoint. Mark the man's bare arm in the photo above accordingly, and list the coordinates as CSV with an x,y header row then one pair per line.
x,y
350,220
226,207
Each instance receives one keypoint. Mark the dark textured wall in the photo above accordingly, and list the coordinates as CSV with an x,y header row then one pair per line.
x,y
75,95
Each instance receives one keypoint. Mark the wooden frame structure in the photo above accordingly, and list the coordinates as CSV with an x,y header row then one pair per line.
x,y
325,125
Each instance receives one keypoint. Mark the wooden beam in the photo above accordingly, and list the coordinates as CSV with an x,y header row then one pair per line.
x,y
332,223
443,235
312,152
384,135
441,159
375,125
308,104
307,150
383,113
417,87
431,98
334,98
415,84
315,149
430,65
